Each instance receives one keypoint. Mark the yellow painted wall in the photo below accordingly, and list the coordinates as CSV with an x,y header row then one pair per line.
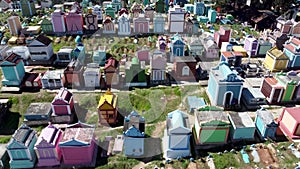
x,y
280,65
268,62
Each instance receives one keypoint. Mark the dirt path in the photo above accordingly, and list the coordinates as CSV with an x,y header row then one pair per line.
x,y
192,165
266,157
158,129
169,166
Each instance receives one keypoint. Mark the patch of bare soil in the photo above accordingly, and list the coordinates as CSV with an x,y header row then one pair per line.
x,y
192,166
267,157
140,165
158,129
169,166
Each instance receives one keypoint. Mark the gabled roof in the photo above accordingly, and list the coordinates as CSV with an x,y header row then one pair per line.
x,y
196,42
265,115
177,122
97,7
108,19
123,11
284,79
241,120
294,75
210,44
223,73
49,136
291,48
212,116
134,116
109,98
65,49
64,95
158,17
134,132
136,7
141,18
43,39
11,59
295,41
271,80
78,136
74,65
177,10
264,42
192,20
251,39
22,137
149,8
177,39
124,17
111,62
92,68
227,54
289,22
231,54
294,112
293,45
239,49
278,54
53,74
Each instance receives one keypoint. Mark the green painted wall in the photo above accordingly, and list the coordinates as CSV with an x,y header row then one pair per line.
x,y
213,136
47,26
288,93
135,70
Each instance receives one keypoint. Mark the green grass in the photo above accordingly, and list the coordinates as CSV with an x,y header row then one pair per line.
x,y
154,102
140,103
225,160
88,101
180,164
20,103
162,101
4,139
124,104
93,119
119,162
101,135
149,129
289,159
57,46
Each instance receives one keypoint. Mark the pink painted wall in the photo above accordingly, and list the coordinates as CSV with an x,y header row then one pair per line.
x,y
74,22
159,63
58,21
143,55
61,109
141,27
78,155
50,156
